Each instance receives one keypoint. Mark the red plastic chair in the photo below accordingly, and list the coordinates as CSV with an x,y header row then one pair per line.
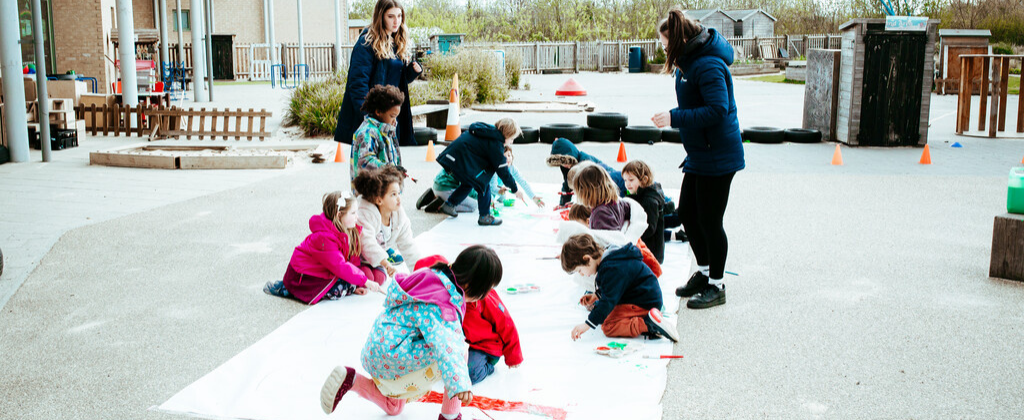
x,y
116,86
158,87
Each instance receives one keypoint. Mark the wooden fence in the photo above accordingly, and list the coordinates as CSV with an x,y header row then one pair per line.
x,y
252,61
177,122
116,119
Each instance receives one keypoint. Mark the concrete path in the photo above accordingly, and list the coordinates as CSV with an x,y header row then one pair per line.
x,y
863,289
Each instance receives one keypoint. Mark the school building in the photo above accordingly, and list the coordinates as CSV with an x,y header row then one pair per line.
x,y
81,35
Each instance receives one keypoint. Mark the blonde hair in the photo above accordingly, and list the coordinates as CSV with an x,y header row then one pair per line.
x,y
679,29
384,44
335,211
641,171
570,177
594,187
508,128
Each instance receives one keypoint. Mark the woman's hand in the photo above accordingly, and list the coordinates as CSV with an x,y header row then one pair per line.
x,y
466,397
662,119
416,67
579,330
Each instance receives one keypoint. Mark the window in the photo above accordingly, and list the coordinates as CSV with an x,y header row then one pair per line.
x,y
186,22
738,29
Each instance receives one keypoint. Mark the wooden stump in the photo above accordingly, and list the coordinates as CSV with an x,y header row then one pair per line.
x,y
1008,248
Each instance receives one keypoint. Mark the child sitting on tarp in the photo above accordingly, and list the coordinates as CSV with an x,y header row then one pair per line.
x,y
445,184
627,296
489,330
565,155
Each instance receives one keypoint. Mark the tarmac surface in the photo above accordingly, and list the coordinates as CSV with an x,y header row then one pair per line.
x,y
862,289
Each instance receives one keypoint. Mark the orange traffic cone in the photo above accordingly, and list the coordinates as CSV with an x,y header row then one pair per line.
x,y
926,156
452,131
1022,161
430,151
622,152
338,156
837,157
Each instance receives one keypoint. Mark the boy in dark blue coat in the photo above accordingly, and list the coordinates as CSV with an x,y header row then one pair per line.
x,y
473,159
627,297
565,155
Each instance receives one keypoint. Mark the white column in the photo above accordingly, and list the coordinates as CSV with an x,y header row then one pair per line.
x,y
266,23
126,52
165,56
302,48
14,85
181,34
337,35
274,59
44,105
198,52
209,46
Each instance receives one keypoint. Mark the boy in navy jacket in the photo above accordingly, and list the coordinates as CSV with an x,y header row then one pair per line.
x,y
627,297
473,159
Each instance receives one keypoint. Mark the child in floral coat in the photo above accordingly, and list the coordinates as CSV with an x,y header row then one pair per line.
x,y
375,142
418,339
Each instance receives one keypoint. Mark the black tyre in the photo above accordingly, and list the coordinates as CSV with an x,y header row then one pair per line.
x,y
641,134
571,132
1,262
671,135
424,135
802,135
530,135
607,120
600,135
770,135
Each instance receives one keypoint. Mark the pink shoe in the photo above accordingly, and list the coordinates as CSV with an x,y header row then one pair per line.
x,y
442,417
335,387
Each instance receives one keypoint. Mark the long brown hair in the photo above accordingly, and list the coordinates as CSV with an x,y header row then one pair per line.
x,y
335,210
678,29
594,187
382,41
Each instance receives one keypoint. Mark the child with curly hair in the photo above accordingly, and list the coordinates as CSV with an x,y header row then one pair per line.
x,y
375,142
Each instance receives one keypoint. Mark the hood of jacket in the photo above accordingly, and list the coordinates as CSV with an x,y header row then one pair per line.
x,y
429,286
707,43
486,131
321,224
565,147
619,254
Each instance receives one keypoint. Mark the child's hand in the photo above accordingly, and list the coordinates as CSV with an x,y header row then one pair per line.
x,y
388,268
539,201
588,300
514,366
360,291
502,190
521,196
662,119
373,287
579,330
466,397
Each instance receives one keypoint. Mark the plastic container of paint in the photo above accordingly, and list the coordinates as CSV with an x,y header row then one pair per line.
x,y
1015,191
512,291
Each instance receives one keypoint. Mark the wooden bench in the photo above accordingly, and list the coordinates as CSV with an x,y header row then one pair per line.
x,y
1007,247
436,112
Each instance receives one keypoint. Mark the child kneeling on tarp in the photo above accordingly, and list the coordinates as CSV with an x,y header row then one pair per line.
x,y
627,295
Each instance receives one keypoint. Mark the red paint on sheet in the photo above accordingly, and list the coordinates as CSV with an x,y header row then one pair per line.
x,y
492,404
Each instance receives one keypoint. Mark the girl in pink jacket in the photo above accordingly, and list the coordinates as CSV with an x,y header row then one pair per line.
x,y
326,264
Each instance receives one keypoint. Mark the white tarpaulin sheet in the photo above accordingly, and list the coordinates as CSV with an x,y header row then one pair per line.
x,y
559,378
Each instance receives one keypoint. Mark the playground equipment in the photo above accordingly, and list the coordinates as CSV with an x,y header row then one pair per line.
x,y
298,77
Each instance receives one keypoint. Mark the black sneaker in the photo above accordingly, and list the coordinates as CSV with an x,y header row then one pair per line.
x,y
449,210
657,324
426,198
488,220
434,206
710,296
681,236
697,282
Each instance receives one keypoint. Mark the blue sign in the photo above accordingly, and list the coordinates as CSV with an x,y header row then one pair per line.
x,y
906,23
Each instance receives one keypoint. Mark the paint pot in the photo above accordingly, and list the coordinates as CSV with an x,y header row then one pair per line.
x,y
512,290
617,345
603,350
509,202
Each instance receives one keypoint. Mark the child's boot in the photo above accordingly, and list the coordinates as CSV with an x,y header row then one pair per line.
x,y
656,323
451,409
367,389
424,199
449,209
335,387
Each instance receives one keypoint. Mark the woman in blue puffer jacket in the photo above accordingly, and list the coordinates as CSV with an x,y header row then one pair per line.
x,y
706,119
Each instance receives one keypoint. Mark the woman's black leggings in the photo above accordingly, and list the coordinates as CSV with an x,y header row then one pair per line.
x,y
702,202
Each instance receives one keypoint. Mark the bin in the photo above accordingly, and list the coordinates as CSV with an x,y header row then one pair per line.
x,y
1015,191
636,60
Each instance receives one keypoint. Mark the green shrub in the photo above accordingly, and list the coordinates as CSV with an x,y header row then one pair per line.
x,y
481,80
314,106
513,68
420,92
659,55
1002,49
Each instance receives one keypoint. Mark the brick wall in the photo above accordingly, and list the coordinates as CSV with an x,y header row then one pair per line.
x,y
81,31
143,14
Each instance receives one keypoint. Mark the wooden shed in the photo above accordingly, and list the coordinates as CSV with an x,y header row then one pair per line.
x,y
752,22
714,18
885,84
953,43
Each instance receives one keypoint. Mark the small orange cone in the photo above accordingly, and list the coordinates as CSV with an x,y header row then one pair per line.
x,y
926,156
1022,161
837,157
338,156
622,152
452,130
430,151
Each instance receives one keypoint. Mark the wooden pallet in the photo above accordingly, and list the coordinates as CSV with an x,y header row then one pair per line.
x,y
177,122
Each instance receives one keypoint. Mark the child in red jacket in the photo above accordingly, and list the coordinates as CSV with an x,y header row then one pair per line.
x,y
489,330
